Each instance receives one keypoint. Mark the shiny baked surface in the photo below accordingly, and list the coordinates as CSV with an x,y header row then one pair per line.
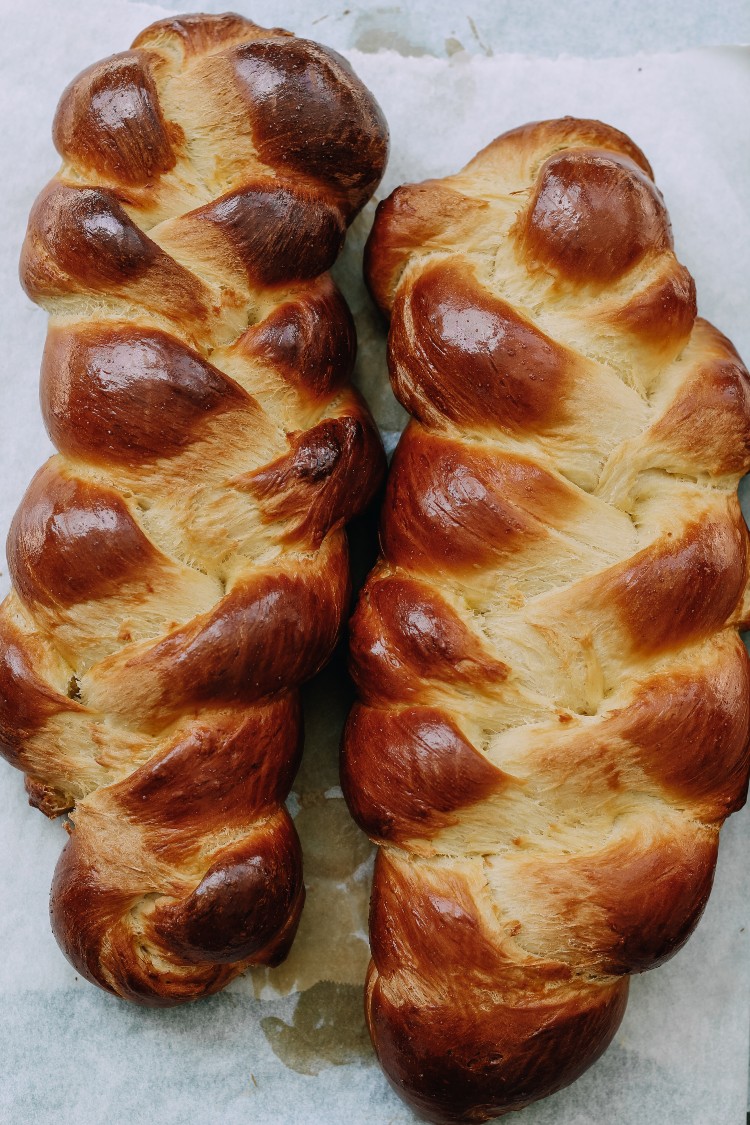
x,y
554,697
180,566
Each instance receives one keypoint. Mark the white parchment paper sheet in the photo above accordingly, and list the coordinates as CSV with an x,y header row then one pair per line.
x,y
260,1052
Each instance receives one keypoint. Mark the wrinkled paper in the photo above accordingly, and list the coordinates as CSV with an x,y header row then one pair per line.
x,y
289,1045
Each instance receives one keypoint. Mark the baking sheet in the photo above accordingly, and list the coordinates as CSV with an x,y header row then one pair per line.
x,y
289,1045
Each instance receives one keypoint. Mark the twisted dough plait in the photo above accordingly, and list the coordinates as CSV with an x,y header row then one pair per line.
x,y
180,566
554,697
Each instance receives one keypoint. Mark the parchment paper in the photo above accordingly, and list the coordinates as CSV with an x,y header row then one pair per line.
x,y
289,1045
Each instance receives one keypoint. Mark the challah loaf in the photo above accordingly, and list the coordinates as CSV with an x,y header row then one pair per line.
x,y
180,566
554,697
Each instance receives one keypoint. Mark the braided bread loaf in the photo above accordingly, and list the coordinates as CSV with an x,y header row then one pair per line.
x,y
555,698
180,567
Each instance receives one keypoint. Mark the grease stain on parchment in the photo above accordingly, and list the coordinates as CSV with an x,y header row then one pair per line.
x,y
375,39
331,942
327,1029
375,30
328,961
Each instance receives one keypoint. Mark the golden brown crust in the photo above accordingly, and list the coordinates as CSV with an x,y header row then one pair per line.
x,y
93,126
470,337
488,1036
592,217
125,393
180,567
555,703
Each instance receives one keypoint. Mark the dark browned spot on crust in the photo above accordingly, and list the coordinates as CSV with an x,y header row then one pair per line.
x,y
279,233
470,357
414,219
270,633
691,730
653,926
72,540
110,122
127,394
592,217
91,921
406,774
708,423
243,900
425,922
201,32
541,139
468,1058
312,115
404,636
228,769
662,314
330,474
462,1053
452,508
84,910
680,590
630,906
247,905
310,340
80,240
26,700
